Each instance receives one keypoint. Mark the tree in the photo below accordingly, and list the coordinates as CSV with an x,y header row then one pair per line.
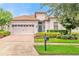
x,y
67,14
69,24
5,18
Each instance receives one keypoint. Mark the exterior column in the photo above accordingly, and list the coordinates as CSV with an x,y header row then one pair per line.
x,y
36,27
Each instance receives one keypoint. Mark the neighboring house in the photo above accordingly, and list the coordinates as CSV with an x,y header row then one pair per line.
x,y
39,22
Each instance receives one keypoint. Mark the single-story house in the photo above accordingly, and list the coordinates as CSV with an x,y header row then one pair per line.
x,y
39,22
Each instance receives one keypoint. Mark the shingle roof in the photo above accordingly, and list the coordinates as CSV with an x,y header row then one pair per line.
x,y
24,17
30,17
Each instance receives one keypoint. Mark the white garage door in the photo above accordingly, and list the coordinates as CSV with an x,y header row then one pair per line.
x,y
22,28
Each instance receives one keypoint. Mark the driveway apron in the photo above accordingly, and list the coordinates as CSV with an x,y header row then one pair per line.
x,y
18,45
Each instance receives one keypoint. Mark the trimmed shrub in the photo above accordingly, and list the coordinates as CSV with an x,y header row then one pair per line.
x,y
75,34
49,34
39,35
4,33
60,31
69,37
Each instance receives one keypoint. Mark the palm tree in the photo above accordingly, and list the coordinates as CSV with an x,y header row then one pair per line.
x,y
5,18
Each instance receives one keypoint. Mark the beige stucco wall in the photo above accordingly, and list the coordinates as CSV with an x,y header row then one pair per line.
x,y
46,26
76,29
41,17
49,25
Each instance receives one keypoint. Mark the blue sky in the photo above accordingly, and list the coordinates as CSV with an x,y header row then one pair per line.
x,y
23,8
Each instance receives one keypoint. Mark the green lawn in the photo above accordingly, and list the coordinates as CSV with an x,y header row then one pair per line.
x,y
57,40
58,50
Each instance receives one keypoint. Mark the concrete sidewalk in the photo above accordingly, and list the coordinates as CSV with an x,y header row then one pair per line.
x,y
57,43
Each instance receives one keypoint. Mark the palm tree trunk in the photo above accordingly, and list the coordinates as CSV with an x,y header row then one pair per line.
x,y
2,27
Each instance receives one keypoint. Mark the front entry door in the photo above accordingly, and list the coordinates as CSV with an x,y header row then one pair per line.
x,y
41,26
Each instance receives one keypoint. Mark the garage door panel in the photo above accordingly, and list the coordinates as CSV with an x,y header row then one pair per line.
x,y
22,28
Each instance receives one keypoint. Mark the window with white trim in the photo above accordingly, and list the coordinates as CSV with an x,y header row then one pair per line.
x,y
55,25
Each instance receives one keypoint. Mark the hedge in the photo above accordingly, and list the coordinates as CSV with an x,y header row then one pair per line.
x,y
61,31
51,35
67,36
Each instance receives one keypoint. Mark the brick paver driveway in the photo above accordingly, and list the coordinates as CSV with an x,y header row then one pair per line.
x,y
18,45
